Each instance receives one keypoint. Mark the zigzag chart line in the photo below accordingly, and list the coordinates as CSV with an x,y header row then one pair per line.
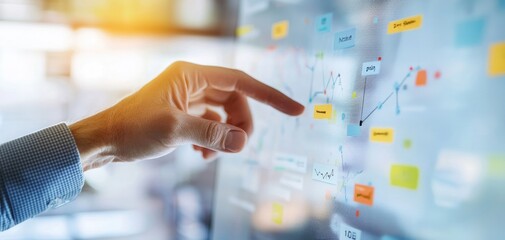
x,y
334,80
324,175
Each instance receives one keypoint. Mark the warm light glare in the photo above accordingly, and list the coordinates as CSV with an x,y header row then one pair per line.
x,y
14,65
109,69
90,39
35,36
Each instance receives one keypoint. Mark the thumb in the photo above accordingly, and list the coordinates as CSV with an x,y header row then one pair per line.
x,y
211,134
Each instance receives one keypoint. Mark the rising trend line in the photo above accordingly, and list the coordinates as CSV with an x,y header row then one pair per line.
x,y
333,80
379,106
326,83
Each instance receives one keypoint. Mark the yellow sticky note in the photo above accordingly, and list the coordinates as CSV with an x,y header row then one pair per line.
x,y
244,30
277,213
354,94
405,176
405,24
280,30
383,135
497,59
323,111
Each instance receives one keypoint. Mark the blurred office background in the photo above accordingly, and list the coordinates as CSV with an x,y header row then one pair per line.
x,y
61,60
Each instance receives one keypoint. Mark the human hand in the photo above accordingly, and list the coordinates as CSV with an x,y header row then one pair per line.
x,y
157,118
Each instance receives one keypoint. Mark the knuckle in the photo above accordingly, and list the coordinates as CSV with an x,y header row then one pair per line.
x,y
238,71
233,97
213,134
178,65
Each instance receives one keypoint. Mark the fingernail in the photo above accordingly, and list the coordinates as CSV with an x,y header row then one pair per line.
x,y
235,141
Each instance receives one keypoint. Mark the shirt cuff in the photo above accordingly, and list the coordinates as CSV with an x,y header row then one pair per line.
x,y
38,172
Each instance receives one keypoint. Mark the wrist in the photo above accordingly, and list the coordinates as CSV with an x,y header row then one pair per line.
x,y
92,139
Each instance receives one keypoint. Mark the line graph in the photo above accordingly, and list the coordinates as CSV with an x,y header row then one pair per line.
x,y
346,174
395,92
329,84
324,175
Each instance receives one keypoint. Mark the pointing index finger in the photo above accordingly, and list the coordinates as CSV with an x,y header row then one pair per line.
x,y
226,79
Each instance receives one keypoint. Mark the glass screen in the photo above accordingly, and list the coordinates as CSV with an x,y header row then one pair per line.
x,y
403,134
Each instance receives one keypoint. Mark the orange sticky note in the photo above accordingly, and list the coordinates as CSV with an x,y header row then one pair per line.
x,y
363,194
421,78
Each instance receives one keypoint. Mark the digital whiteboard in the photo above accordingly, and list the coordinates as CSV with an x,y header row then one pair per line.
x,y
403,135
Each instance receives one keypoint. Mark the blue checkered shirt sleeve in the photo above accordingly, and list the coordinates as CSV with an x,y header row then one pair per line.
x,y
38,172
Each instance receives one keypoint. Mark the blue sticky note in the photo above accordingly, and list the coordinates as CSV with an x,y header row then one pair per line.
x,y
470,33
353,130
345,39
323,22
501,4
371,68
